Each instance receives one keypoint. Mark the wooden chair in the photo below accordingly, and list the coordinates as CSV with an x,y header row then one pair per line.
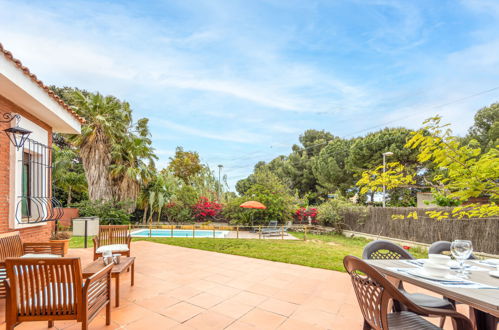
x,y
52,289
375,293
115,238
11,246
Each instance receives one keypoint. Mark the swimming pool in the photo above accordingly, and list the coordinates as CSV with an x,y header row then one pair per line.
x,y
179,233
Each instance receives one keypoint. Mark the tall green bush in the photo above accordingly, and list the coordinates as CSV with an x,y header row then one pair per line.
x,y
180,207
332,213
267,189
109,213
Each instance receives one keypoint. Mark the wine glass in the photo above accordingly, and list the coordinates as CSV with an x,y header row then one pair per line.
x,y
461,250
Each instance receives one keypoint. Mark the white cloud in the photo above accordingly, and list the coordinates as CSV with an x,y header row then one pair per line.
x,y
239,136
170,61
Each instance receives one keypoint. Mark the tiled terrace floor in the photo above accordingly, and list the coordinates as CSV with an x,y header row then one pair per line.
x,y
180,288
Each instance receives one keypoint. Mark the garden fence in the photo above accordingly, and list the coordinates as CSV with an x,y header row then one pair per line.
x,y
483,232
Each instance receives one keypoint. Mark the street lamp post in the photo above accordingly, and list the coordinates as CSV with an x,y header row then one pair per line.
x,y
385,154
219,183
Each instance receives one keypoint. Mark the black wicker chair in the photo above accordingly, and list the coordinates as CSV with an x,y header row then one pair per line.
x,y
381,249
386,250
439,247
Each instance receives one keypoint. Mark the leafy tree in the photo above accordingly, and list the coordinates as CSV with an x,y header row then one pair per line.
x,y
464,171
296,170
313,141
160,191
332,213
133,164
393,175
68,174
185,164
243,185
485,128
108,212
299,170
330,166
206,184
116,153
467,172
268,190
366,153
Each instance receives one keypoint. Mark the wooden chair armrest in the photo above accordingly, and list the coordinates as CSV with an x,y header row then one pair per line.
x,y
96,242
129,241
44,248
97,291
106,271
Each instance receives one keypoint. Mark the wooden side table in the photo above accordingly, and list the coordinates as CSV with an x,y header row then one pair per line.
x,y
125,264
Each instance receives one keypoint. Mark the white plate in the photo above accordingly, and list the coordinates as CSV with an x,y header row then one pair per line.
x,y
494,273
420,272
492,261
450,263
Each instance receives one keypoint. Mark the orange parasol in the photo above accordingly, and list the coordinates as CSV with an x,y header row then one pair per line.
x,y
253,205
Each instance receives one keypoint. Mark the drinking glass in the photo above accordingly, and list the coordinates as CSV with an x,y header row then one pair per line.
x,y
461,250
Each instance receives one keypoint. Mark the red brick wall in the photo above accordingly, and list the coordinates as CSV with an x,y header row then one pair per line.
x,y
69,213
32,234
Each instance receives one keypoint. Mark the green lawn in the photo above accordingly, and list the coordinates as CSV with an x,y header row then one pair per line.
x,y
320,251
78,242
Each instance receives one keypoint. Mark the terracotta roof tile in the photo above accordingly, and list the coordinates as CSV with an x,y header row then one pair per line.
x,y
33,77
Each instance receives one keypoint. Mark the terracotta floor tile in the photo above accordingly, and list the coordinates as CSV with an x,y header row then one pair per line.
x,y
157,303
239,325
262,319
175,284
184,293
314,316
156,321
183,327
205,300
182,311
129,313
262,289
293,324
291,296
239,283
218,278
223,291
202,285
278,306
232,308
209,320
249,298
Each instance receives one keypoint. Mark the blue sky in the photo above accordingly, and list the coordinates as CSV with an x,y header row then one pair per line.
x,y
238,81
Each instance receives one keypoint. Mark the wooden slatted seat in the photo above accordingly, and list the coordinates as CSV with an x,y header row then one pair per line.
x,y
11,246
49,289
116,238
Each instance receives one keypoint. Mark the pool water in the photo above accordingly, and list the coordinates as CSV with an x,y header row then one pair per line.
x,y
178,233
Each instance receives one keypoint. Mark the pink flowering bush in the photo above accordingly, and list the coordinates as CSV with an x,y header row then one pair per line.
x,y
205,209
303,213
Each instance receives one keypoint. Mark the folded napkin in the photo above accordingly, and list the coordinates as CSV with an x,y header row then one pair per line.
x,y
420,263
489,262
466,284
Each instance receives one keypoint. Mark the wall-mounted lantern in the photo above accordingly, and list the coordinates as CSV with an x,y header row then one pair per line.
x,y
17,135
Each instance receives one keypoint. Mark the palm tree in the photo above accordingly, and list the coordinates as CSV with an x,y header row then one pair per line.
x,y
133,166
157,194
107,122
